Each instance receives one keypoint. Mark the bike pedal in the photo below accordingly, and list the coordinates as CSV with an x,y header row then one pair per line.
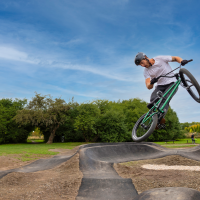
x,y
161,126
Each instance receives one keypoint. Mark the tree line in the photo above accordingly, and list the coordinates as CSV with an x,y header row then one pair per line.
x,y
185,125
193,128
96,121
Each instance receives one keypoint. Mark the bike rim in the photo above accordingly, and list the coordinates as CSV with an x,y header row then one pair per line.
x,y
192,89
141,129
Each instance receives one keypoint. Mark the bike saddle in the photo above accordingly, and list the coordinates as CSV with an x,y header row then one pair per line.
x,y
151,104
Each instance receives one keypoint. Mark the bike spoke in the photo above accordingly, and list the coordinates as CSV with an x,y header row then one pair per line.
x,y
142,129
191,88
188,87
188,80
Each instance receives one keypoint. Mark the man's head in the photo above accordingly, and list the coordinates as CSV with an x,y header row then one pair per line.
x,y
142,59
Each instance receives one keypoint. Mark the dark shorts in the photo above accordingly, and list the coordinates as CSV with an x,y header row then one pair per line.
x,y
163,89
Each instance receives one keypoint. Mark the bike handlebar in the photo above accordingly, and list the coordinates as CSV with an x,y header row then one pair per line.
x,y
189,61
174,70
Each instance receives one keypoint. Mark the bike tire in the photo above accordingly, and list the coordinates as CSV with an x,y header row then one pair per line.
x,y
152,125
193,91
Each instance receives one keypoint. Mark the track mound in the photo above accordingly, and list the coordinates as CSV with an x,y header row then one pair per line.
x,y
101,181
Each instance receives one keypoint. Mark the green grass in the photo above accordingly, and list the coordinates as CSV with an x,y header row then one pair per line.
x,y
36,148
29,151
34,140
180,146
34,151
180,141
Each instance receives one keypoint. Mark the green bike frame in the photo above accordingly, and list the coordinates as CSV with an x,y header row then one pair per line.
x,y
159,111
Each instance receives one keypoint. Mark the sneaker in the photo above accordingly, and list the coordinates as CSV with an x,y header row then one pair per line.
x,y
162,121
161,125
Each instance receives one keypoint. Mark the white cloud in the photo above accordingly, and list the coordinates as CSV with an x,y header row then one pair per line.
x,y
94,70
10,53
71,42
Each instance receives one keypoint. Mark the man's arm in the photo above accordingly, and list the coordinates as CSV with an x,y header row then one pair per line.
x,y
176,59
148,83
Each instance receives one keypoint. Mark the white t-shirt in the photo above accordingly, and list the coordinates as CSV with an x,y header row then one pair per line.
x,y
160,67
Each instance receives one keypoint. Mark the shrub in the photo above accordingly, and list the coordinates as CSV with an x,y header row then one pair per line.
x,y
9,130
112,127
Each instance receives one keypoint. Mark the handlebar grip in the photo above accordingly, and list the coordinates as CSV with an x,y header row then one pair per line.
x,y
190,60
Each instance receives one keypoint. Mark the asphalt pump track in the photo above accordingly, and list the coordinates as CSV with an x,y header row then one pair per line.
x,y
101,181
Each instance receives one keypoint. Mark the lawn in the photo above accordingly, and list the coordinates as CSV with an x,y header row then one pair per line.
x,y
180,141
35,140
34,151
30,151
178,146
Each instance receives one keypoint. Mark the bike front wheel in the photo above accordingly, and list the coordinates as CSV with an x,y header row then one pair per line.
x,y
190,83
141,131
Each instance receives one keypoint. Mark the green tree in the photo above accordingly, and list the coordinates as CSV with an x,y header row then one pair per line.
x,y
133,110
193,128
86,121
68,129
37,132
9,130
184,125
103,105
112,128
44,112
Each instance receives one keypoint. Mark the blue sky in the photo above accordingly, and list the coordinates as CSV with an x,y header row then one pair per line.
x,y
86,49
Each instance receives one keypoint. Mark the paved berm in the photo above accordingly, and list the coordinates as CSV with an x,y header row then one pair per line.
x,y
103,171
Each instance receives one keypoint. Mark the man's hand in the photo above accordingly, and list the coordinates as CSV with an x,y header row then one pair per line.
x,y
154,80
148,83
184,62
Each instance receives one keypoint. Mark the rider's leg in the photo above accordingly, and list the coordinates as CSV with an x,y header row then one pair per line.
x,y
163,89
167,105
154,94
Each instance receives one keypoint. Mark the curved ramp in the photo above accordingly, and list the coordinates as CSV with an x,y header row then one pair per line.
x,y
38,165
101,181
97,161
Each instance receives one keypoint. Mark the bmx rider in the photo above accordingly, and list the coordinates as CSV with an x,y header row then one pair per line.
x,y
155,67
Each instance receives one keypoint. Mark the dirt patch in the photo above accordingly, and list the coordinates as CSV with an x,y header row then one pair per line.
x,y
65,151
61,182
16,160
145,179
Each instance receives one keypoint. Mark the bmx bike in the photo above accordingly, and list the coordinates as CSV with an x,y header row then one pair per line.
x,y
146,124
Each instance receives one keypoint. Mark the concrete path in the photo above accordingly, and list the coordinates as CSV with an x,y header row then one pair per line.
x,y
101,181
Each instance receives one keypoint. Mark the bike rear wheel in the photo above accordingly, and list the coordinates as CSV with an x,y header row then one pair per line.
x,y
191,83
142,131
